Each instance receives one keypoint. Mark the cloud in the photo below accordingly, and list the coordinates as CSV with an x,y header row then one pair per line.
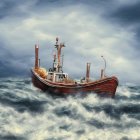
x,y
128,14
13,8
86,28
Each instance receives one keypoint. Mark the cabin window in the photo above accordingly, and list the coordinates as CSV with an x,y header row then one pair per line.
x,y
60,77
50,76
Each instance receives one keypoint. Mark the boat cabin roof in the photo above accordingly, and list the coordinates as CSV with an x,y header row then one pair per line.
x,y
57,73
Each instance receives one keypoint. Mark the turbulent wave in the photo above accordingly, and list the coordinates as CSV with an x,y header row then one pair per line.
x,y
26,113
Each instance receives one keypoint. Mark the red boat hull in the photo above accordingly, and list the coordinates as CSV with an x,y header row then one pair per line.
x,y
106,86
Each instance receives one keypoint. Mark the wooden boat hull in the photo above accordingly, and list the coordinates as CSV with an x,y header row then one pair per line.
x,y
106,86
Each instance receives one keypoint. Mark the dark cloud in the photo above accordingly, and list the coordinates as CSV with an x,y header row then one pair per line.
x,y
10,64
58,3
6,8
52,3
137,31
127,14
13,8
7,69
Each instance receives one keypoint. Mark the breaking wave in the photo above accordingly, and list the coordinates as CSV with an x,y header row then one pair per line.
x,y
26,113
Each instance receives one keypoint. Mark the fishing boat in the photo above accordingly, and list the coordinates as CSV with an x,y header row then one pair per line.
x,y
57,82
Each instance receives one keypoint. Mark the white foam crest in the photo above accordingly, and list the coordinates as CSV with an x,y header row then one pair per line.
x,y
109,134
93,99
123,102
88,133
48,125
27,92
53,130
36,127
10,120
130,84
17,123
125,119
75,105
124,91
32,95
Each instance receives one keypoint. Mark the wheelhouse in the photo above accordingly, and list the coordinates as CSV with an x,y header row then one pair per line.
x,y
57,77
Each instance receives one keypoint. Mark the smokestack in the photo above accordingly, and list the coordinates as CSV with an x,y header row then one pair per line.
x,y
36,56
88,72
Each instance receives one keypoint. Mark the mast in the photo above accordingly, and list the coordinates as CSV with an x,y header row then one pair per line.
x,y
36,57
62,61
59,47
54,62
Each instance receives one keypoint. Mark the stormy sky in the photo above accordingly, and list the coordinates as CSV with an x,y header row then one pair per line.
x,y
89,29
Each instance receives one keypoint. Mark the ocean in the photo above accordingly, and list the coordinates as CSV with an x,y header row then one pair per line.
x,y
27,113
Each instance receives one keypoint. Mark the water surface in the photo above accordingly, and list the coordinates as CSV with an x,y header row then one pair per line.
x,y
26,113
